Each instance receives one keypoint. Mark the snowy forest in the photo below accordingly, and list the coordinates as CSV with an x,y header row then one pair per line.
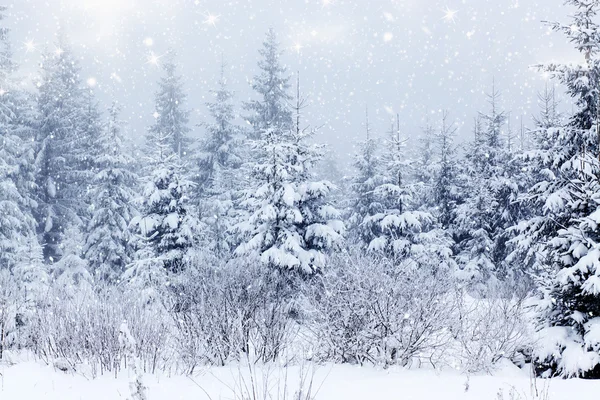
x,y
243,242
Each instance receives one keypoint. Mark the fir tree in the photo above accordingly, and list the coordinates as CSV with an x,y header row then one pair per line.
x,y
219,165
17,204
398,230
166,226
487,212
291,225
446,189
171,118
424,169
564,232
363,202
271,110
65,129
107,247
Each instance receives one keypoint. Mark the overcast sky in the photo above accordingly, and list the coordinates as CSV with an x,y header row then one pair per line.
x,y
412,57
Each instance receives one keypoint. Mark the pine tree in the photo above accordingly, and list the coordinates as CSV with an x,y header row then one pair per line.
x,y
424,169
64,135
363,202
549,116
221,152
107,247
17,224
166,225
528,236
446,189
219,168
398,230
493,122
564,231
171,118
272,84
291,224
71,273
486,214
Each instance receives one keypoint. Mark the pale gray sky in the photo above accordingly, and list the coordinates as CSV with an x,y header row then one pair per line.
x,y
413,57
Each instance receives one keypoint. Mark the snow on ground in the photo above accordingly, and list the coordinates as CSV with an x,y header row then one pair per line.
x,y
35,381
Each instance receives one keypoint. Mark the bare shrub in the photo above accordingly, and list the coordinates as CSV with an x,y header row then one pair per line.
x,y
82,327
12,307
254,381
224,311
384,312
490,329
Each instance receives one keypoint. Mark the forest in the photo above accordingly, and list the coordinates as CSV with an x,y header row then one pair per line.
x,y
241,241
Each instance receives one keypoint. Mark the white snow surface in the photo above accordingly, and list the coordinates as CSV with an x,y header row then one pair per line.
x,y
34,380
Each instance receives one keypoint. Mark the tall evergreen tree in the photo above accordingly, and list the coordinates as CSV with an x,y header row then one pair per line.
x,y
64,137
166,224
171,117
446,185
291,224
219,168
564,232
272,84
107,246
398,229
488,210
363,202
527,241
424,168
17,182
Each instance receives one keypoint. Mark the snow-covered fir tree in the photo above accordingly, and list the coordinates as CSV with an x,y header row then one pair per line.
x,y
526,241
390,225
17,181
219,165
107,246
399,230
166,224
549,116
272,84
64,136
71,273
489,208
170,116
291,224
446,186
424,168
363,202
564,233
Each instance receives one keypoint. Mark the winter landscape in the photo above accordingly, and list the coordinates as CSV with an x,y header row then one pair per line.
x,y
300,200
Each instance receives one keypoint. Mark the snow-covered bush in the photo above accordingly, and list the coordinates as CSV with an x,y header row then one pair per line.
x,y
11,307
223,311
273,382
491,329
384,312
82,328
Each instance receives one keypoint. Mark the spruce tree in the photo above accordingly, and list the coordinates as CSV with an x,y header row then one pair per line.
x,y
291,224
484,216
363,202
272,85
399,230
528,237
446,187
17,182
166,224
220,177
424,168
171,117
564,231
107,246
66,126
